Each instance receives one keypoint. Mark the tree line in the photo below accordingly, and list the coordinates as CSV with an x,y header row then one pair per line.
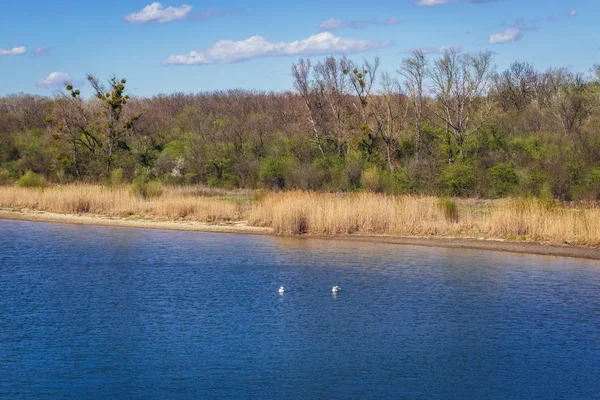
x,y
448,125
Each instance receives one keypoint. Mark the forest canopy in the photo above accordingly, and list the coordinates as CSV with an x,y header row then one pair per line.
x,y
450,125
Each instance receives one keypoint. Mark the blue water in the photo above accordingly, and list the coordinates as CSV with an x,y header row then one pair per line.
x,y
96,312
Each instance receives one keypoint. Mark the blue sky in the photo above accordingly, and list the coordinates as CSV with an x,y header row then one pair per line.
x,y
191,46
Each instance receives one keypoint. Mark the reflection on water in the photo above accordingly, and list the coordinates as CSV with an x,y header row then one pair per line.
x,y
94,312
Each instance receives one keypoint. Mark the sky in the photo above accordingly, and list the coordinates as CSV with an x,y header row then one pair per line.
x,y
193,46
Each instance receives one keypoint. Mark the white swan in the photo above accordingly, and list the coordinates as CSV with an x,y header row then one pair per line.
x,y
335,289
281,289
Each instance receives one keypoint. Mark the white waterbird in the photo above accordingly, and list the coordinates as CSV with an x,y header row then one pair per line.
x,y
335,289
281,289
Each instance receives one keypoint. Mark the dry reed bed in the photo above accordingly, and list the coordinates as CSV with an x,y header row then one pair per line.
x,y
377,214
328,214
173,204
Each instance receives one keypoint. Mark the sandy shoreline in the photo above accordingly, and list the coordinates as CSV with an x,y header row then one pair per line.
x,y
470,243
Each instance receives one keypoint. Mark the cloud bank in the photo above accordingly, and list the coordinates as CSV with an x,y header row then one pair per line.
x,y
229,51
157,12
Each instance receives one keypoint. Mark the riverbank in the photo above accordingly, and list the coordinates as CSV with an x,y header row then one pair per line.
x,y
242,227
507,224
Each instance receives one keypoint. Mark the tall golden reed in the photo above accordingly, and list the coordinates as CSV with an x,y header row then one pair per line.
x,y
378,214
327,214
173,204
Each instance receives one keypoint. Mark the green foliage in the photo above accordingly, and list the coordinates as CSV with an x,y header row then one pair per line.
x,y
457,179
274,172
145,188
542,143
372,179
4,177
503,179
31,179
116,177
591,184
546,196
531,148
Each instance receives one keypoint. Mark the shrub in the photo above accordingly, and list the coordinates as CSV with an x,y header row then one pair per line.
x,y
546,196
396,183
274,171
588,188
4,177
457,180
353,172
116,177
31,179
503,179
592,181
145,188
372,180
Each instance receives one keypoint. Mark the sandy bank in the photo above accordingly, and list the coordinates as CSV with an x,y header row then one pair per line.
x,y
470,243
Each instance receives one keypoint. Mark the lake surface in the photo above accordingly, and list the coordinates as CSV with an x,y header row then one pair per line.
x,y
96,312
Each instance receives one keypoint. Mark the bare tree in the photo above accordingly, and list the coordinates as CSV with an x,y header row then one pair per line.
x,y
70,124
333,82
516,86
460,82
414,70
390,110
301,73
572,105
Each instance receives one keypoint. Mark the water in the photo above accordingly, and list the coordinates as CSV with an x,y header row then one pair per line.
x,y
95,312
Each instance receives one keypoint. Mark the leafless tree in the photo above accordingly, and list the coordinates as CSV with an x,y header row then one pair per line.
x,y
390,111
459,83
301,72
333,82
572,105
414,70
516,86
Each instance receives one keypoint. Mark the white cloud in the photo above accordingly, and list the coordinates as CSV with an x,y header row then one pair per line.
x,y
441,50
334,23
157,12
41,51
430,3
331,24
214,12
15,51
572,13
509,35
56,80
229,51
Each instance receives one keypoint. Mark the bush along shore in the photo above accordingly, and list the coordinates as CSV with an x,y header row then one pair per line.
x,y
321,214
